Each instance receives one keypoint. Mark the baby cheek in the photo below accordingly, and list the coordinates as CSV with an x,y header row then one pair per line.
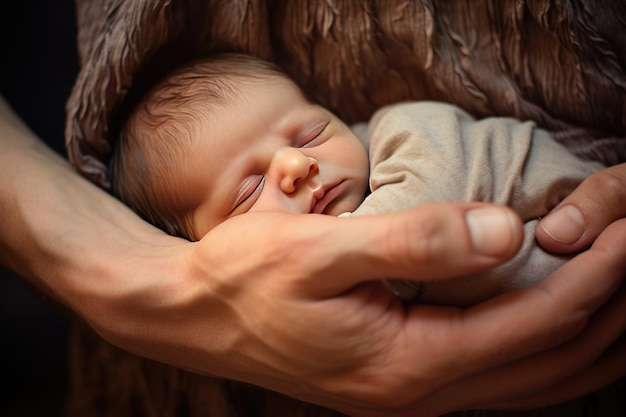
x,y
362,171
272,200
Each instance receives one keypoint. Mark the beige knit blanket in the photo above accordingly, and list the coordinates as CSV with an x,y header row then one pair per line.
x,y
428,152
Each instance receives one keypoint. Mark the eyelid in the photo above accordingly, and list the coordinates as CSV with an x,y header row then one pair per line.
x,y
312,133
251,186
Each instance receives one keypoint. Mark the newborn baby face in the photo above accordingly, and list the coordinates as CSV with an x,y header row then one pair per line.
x,y
273,150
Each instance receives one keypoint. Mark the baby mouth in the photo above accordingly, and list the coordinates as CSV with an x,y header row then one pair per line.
x,y
322,199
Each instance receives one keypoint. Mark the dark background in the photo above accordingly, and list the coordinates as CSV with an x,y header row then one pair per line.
x,y
38,65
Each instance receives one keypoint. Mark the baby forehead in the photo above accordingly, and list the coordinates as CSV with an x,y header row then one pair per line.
x,y
264,92
202,83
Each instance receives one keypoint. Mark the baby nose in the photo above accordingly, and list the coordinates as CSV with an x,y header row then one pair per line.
x,y
295,168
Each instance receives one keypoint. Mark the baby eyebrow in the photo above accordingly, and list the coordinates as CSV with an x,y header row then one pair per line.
x,y
303,122
315,127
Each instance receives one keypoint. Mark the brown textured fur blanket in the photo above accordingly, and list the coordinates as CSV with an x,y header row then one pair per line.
x,y
561,64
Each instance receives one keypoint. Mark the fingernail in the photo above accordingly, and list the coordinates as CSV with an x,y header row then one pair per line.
x,y
566,225
492,230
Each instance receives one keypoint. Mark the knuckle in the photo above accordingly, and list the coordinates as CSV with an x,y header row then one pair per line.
x,y
425,243
565,327
609,190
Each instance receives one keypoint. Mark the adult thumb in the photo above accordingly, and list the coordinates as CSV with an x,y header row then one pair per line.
x,y
575,223
429,242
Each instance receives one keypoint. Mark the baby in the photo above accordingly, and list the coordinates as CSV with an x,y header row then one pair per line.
x,y
233,134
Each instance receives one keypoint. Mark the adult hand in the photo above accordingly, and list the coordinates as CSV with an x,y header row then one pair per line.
x,y
579,218
295,304
589,361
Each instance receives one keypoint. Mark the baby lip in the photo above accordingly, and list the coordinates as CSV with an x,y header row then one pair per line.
x,y
319,203
318,193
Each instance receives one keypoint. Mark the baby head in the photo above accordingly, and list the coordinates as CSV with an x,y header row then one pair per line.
x,y
229,135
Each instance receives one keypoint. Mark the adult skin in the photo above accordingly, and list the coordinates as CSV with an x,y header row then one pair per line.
x,y
578,219
294,304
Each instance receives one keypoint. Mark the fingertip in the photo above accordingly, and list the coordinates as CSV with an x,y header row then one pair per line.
x,y
566,225
562,229
575,223
494,231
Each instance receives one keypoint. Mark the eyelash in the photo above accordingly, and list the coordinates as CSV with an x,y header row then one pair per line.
x,y
245,197
318,130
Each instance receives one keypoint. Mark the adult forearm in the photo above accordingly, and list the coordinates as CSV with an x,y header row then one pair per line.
x,y
26,165
59,231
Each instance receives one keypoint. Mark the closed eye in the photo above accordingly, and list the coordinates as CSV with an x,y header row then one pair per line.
x,y
310,136
248,193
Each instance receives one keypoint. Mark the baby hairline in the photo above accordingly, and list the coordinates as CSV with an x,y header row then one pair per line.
x,y
156,123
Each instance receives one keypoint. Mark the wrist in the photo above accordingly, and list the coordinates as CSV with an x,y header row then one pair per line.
x,y
124,293
154,303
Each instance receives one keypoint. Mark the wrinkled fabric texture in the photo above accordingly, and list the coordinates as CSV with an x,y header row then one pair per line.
x,y
428,152
560,64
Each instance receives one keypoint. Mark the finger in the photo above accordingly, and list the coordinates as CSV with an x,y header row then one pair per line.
x,y
425,243
575,368
608,369
535,319
579,218
428,242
